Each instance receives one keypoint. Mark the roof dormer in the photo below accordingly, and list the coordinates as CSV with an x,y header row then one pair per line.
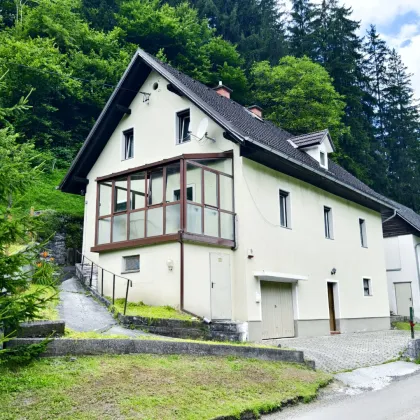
x,y
317,145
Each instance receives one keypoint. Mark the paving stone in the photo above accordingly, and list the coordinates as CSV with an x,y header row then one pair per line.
x,y
341,352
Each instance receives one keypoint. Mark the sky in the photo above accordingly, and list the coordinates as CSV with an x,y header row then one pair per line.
x,y
398,21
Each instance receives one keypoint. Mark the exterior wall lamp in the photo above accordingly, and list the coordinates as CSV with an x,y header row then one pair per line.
x,y
170,265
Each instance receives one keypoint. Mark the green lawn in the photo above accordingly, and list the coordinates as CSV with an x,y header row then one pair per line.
x,y
405,326
151,387
140,309
43,195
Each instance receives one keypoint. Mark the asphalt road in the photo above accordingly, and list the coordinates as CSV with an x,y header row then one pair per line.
x,y
398,401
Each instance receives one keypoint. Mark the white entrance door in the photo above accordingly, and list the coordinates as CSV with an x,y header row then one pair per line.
x,y
277,310
220,286
404,298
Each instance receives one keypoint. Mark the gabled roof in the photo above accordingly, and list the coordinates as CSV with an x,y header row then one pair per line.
x,y
260,140
312,139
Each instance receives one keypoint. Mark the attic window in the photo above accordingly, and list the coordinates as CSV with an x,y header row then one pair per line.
x,y
128,144
183,126
322,158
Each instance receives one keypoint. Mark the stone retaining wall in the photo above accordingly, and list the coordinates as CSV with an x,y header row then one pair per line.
x,y
219,331
413,349
66,347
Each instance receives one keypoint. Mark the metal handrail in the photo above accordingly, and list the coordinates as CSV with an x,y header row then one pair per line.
x,y
129,282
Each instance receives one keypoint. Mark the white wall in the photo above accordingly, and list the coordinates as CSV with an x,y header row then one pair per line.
x,y
304,250
154,284
402,267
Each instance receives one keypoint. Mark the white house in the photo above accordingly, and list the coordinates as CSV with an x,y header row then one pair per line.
x,y
402,251
209,208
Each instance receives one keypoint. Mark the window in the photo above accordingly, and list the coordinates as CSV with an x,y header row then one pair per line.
x,y
367,289
183,126
145,203
322,158
190,193
128,144
131,264
328,223
362,228
284,209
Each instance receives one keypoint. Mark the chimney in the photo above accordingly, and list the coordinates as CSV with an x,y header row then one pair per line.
x,y
256,110
223,90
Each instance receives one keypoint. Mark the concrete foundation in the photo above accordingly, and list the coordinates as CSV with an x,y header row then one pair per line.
x,y
348,325
311,327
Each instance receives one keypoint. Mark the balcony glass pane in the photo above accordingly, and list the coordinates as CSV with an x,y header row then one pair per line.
x,y
120,195
173,189
155,187
137,192
211,222
155,222
226,193
137,225
210,188
194,223
222,165
104,230
105,191
194,176
173,218
119,228
227,224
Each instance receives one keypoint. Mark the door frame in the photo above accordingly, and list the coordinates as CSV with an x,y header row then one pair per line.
x,y
230,285
336,298
395,292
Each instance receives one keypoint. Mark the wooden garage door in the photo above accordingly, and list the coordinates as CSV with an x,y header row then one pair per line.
x,y
277,310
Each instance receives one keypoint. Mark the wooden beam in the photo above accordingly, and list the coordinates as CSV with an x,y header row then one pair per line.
x,y
123,109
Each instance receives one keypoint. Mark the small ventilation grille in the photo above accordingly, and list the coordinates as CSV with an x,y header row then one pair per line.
x,y
132,263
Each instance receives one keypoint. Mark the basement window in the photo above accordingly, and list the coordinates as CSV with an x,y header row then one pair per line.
x,y
131,264
367,289
128,145
183,126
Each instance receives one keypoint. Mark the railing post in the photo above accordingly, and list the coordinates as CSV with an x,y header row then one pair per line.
x,y
113,289
126,297
91,274
102,284
83,261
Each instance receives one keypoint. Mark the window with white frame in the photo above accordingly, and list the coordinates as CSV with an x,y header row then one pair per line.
x,y
128,144
131,263
367,287
322,158
362,229
284,209
328,223
183,126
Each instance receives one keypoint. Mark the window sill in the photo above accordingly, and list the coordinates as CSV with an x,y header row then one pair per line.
x,y
365,247
124,160
330,239
130,272
180,143
286,227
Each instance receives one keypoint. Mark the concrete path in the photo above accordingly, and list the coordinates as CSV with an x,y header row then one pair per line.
x,y
400,400
82,313
341,352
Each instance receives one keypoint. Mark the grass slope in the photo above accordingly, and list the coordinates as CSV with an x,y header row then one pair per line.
x,y
43,195
151,387
146,311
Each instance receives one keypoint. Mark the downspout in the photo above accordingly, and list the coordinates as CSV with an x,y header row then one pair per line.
x,y
389,218
417,262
